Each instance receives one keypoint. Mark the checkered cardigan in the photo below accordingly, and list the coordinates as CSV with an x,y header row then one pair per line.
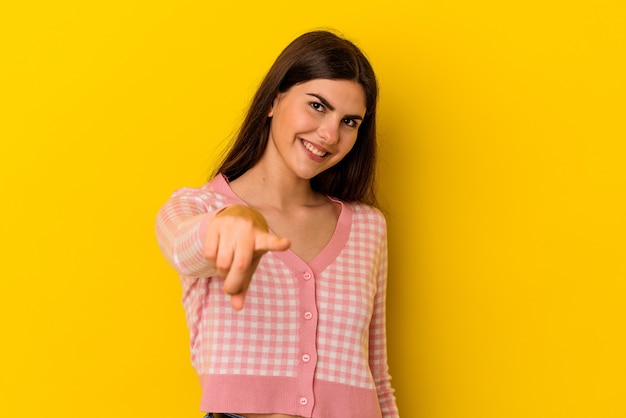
x,y
310,340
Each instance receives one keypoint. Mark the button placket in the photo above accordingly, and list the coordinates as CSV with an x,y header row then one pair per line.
x,y
307,346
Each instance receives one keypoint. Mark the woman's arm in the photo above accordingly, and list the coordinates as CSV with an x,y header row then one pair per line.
x,y
378,338
200,239
181,227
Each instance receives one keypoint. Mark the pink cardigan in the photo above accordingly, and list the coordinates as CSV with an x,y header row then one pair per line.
x,y
310,340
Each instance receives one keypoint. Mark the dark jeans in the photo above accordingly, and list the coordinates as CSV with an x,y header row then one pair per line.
x,y
212,415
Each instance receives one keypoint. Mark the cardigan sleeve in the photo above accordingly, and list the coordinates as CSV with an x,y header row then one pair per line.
x,y
378,337
181,226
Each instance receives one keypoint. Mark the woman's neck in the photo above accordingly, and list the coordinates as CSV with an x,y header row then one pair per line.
x,y
262,187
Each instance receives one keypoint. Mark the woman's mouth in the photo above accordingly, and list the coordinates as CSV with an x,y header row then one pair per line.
x,y
313,149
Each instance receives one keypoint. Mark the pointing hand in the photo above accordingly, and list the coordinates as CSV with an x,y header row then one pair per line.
x,y
236,239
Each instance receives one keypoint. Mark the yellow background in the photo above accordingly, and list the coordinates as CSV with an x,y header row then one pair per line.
x,y
502,175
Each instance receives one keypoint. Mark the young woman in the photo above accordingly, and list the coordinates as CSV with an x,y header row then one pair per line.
x,y
283,255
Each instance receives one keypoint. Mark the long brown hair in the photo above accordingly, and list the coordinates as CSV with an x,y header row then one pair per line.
x,y
313,55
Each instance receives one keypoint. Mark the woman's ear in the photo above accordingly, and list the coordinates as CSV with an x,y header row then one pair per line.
x,y
274,103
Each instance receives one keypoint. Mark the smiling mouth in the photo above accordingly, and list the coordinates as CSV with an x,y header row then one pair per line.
x,y
315,151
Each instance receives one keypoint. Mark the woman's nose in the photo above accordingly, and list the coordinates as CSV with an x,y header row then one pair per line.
x,y
329,132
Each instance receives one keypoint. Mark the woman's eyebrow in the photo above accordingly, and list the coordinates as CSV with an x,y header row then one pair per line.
x,y
323,100
331,107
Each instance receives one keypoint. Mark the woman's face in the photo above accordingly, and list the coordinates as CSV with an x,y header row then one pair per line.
x,y
315,124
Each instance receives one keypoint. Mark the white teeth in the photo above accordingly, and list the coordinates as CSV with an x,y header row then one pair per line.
x,y
314,150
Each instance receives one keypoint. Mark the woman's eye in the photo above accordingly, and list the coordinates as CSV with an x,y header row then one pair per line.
x,y
350,122
317,106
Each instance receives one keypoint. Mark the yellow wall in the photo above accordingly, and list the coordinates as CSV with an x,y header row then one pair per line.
x,y
502,172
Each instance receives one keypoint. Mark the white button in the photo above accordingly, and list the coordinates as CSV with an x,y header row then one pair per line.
x,y
303,401
306,358
308,315
307,276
